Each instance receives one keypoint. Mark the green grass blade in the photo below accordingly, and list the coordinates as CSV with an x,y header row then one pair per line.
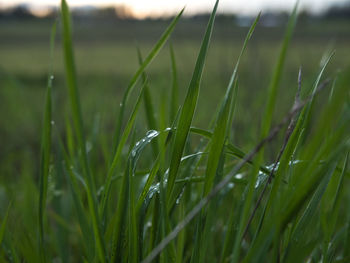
x,y
222,124
217,143
231,149
116,254
299,236
218,140
134,256
124,191
180,245
136,214
149,110
330,207
309,183
174,98
310,105
150,115
266,124
340,187
45,151
86,228
148,184
117,156
71,80
153,53
189,107
277,75
45,163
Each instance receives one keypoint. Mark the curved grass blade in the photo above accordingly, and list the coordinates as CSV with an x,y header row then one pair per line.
x,y
189,107
71,80
233,150
45,151
222,124
157,47
135,219
149,110
308,109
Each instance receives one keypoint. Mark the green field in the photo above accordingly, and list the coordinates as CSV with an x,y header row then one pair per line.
x,y
106,59
57,159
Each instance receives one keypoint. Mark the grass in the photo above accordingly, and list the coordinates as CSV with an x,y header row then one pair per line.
x,y
159,189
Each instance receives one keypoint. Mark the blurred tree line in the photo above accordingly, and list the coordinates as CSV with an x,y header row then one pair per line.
x,y
123,12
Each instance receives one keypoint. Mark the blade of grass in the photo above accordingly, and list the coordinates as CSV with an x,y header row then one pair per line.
x,y
117,156
86,228
231,149
189,107
150,115
153,53
169,254
45,163
174,98
222,124
300,232
136,216
330,208
134,256
122,205
45,150
147,99
71,80
218,139
266,124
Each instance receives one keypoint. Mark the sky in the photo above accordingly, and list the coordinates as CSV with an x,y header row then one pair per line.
x,y
142,8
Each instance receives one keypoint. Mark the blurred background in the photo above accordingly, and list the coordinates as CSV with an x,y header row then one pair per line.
x,y
106,37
